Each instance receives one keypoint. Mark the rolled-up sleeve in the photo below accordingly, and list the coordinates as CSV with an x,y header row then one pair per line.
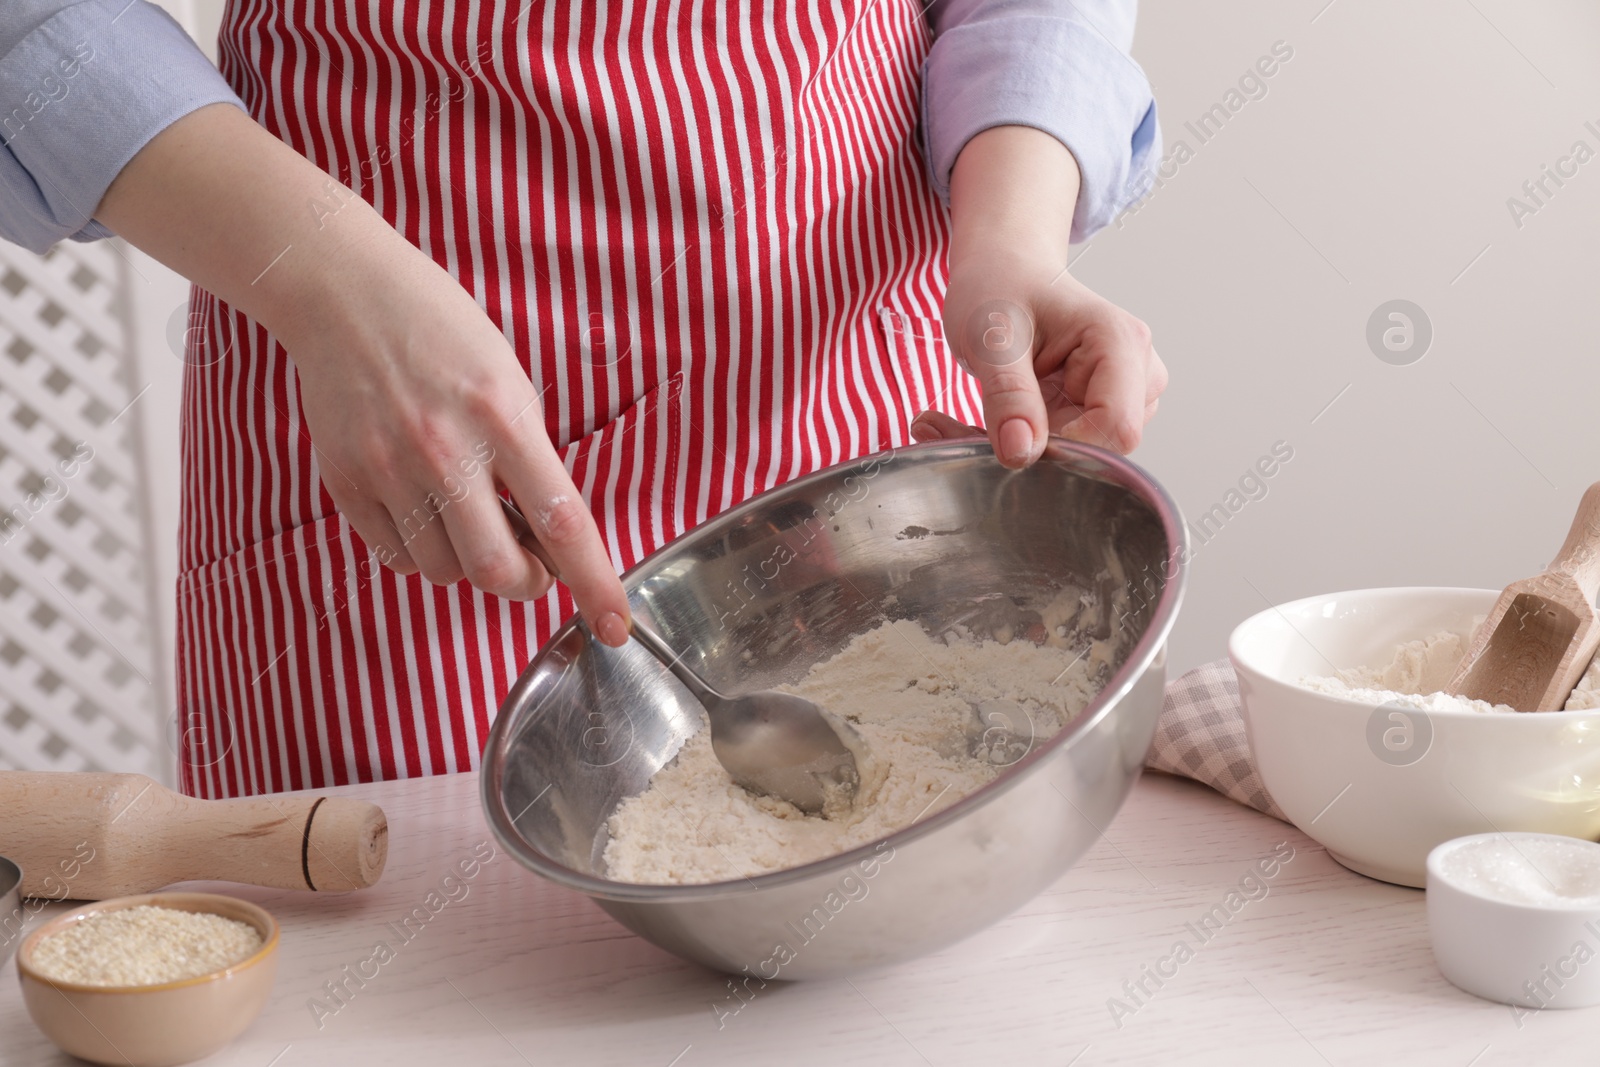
x,y
1061,66
83,86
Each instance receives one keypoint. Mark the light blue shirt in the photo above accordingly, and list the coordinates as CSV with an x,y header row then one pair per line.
x,y
85,84
1061,66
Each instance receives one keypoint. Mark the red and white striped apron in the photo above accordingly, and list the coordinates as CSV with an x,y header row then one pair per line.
x,y
704,227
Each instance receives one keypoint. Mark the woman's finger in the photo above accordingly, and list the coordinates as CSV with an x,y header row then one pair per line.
x,y
934,425
996,343
1155,376
372,523
544,493
1057,402
1113,404
491,559
415,515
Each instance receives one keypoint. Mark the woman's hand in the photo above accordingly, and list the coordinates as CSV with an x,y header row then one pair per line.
x,y
1052,356
421,415
419,411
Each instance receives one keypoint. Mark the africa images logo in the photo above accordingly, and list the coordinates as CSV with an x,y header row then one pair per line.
x,y
1399,735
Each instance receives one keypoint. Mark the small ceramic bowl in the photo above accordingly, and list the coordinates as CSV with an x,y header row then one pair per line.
x,y
154,1025
1533,951
1379,787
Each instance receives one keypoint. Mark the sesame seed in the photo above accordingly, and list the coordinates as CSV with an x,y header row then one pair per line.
x,y
146,945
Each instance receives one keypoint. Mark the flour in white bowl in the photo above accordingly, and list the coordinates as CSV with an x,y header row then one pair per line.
x,y
912,698
1587,695
1417,673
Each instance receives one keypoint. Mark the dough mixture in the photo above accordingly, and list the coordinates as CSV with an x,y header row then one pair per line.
x,y
940,717
1416,675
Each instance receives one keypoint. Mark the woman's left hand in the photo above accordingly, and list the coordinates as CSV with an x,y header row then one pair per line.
x,y
1052,356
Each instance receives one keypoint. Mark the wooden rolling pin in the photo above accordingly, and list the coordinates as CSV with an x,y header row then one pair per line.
x,y
93,836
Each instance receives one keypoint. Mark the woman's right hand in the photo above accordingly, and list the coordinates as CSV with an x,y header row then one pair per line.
x,y
420,414
418,409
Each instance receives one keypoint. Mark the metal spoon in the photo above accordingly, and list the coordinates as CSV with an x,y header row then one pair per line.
x,y
772,743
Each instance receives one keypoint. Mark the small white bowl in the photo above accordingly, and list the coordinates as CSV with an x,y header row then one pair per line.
x,y
1380,807
1532,955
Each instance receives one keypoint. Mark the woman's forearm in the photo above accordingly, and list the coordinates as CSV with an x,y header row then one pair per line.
x,y
1012,193
413,398
227,205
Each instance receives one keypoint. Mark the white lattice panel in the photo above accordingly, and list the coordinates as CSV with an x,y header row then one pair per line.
x,y
79,675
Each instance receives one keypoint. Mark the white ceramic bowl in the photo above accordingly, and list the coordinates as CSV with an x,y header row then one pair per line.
x,y
1530,955
1380,787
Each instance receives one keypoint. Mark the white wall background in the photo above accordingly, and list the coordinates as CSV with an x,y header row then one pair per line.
x,y
1377,167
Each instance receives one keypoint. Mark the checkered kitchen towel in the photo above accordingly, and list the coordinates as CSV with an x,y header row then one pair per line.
x,y
1201,735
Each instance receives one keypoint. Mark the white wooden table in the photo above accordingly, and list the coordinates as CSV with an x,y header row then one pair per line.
x,y
1327,968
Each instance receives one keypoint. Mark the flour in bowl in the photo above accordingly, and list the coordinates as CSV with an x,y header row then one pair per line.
x,y
912,698
1417,673
1415,677
1586,696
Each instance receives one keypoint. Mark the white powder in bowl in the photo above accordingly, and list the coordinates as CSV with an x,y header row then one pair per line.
x,y
1423,666
1418,671
146,945
1528,870
1587,695
1414,677
912,698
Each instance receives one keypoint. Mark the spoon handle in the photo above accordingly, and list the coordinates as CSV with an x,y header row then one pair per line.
x,y
1580,554
641,633
523,532
674,663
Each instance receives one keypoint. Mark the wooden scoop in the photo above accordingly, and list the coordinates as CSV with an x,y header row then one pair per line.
x,y
1537,642
93,836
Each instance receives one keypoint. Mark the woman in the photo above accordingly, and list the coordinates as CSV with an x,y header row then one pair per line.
x,y
624,263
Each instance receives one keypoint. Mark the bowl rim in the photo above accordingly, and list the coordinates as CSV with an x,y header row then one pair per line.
x,y
1241,662
1438,879
1087,460
259,917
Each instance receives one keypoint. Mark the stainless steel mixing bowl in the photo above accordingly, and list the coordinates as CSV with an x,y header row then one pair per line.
x,y
940,533
11,916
